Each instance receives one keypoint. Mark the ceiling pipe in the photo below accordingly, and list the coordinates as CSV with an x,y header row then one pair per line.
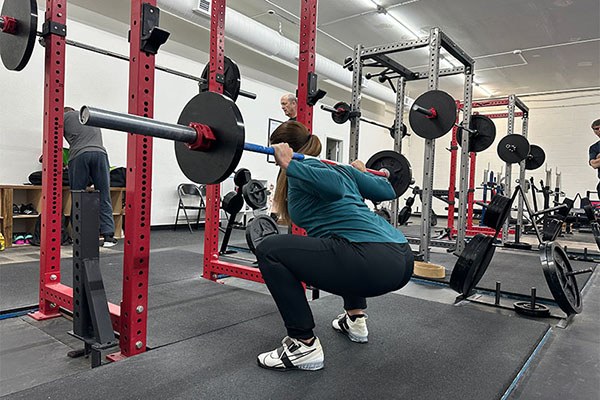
x,y
255,35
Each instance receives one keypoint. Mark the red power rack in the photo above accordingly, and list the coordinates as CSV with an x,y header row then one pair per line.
x,y
213,266
470,229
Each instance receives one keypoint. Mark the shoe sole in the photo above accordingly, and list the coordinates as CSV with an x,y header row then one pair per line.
x,y
353,338
305,367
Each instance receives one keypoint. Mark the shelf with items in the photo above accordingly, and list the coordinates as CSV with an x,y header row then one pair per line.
x,y
23,195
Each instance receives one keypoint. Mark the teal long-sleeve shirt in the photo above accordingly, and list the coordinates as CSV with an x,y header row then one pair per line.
x,y
328,200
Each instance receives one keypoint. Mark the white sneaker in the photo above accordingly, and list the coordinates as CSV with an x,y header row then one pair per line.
x,y
109,241
355,330
293,354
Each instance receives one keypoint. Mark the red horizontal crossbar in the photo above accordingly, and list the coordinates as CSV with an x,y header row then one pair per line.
x,y
235,270
62,296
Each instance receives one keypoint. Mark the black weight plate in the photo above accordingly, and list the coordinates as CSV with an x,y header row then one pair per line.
x,y
232,203
524,308
241,177
397,165
232,82
563,287
225,119
16,49
551,230
596,232
483,138
385,214
258,229
564,212
588,208
343,113
404,215
255,194
535,158
433,128
497,211
513,148
472,263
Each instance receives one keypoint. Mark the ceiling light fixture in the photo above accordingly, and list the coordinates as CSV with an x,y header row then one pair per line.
x,y
484,90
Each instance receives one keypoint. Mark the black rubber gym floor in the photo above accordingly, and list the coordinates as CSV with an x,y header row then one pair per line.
x,y
418,350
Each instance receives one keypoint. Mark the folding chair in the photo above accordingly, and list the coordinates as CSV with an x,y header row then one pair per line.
x,y
190,198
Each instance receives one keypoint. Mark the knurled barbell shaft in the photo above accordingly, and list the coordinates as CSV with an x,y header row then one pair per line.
x,y
136,124
179,133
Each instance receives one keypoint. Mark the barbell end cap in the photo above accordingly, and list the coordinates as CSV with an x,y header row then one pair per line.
x,y
84,115
386,172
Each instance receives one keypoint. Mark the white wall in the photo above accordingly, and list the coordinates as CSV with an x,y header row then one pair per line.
x,y
102,82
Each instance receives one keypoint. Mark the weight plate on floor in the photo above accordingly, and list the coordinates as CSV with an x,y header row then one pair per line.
x,y
524,308
231,82
232,203
385,214
497,211
563,286
16,48
535,158
342,114
258,229
483,138
596,232
438,126
255,194
227,124
397,165
513,148
472,263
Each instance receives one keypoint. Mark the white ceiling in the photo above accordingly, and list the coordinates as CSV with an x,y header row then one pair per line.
x,y
558,40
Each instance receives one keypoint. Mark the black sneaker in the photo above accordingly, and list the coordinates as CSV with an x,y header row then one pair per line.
x,y
16,209
28,209
109,241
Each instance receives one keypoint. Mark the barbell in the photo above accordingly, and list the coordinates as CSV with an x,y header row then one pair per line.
x,y
210,139
341,112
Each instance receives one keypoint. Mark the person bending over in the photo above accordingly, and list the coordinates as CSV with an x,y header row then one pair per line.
x,y
88,161
349,251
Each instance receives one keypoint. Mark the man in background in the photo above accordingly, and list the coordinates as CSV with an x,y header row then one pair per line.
x,y
289,105
88,162
595,152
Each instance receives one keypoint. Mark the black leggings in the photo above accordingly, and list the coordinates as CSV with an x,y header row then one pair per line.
x,y
351,270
